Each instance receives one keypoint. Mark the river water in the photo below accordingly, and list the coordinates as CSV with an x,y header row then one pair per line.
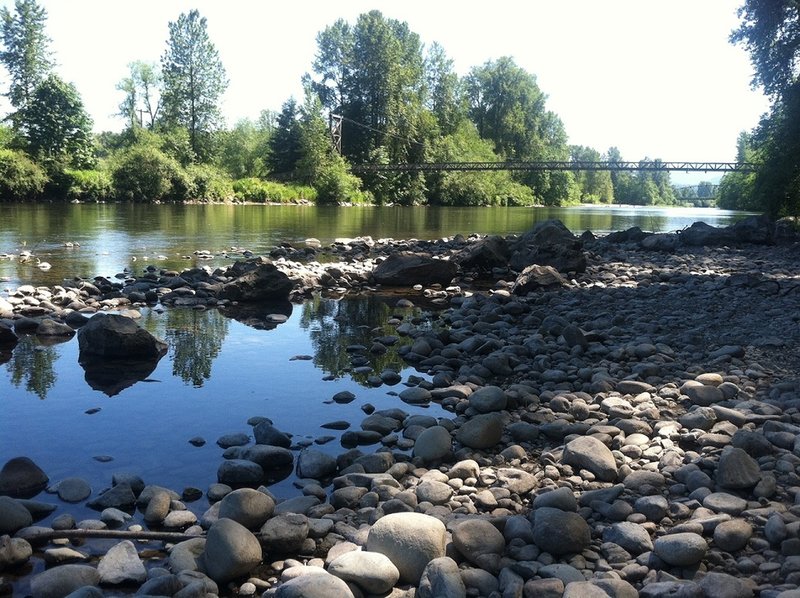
x,y
220,372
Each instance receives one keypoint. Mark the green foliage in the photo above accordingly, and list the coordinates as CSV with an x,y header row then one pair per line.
x,y
208,183
142,101
472,188
88,185
594,186
25,53
320,165
58,127
143,173
194,81
20,178
284,144
261,191
244,149
770,31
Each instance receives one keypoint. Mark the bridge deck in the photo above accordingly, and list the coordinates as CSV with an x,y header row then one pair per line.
x,y
654,166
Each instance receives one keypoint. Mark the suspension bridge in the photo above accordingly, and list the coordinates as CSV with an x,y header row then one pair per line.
x,y
552,165
336,120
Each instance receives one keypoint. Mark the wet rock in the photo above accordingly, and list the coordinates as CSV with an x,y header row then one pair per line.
x,y
49,327
315,464
60,581
13,552
13,516
259,282
240,472
120,496
73,490
110,336
121,564
22,478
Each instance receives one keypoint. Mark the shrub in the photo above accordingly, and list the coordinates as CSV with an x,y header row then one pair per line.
x,y
20,178
261,191
145,173
209,183
88,185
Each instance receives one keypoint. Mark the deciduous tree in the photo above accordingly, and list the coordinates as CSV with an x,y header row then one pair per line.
x,y
194,80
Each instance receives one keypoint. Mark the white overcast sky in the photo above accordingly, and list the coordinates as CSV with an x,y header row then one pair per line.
x,y
654,78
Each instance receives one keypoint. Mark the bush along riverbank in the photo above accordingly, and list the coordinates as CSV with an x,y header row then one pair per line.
x,y
624,415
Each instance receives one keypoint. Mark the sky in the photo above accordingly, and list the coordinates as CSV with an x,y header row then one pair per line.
x,y
655,79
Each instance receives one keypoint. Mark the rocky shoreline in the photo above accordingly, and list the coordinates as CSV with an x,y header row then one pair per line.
x,y
624,423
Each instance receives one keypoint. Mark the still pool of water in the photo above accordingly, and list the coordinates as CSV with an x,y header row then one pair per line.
x,y
219,372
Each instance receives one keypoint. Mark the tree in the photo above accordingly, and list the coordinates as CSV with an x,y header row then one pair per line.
x,y
320,165
142,102
770,31
284,144
245,148
26,53
444,93
594,185
58,128
194,80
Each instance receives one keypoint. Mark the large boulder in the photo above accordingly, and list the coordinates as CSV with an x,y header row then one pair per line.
x,y
407,269
549,243
560,532
22,478
61,581
488,253
231,551
702,234
410,540
755,229
111,336
261,282
7,337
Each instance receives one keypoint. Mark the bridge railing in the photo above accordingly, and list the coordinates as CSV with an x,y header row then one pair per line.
x,y
650,166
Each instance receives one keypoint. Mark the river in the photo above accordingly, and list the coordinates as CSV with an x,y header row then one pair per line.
x,y
218,372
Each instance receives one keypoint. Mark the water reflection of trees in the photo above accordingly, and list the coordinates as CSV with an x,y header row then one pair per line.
x,y
31,365
334,325
195,339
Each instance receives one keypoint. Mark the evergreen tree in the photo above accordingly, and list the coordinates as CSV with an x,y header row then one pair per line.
x,y
284,145
194,81
25,54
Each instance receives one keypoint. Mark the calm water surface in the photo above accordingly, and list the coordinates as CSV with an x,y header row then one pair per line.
x,y
219,372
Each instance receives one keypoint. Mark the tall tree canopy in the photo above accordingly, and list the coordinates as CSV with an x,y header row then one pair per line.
x,y
142,88
194,80
26,52
770,31
59,129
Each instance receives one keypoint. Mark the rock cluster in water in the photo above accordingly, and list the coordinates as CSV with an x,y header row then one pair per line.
x,y
628,429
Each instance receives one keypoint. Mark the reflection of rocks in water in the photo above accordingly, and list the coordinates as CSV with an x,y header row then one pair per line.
x,y
261,316
112,376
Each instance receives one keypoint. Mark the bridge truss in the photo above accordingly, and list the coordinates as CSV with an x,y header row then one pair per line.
x,y
550,165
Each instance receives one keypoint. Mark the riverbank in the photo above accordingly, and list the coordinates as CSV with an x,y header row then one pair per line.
x,y
630,426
